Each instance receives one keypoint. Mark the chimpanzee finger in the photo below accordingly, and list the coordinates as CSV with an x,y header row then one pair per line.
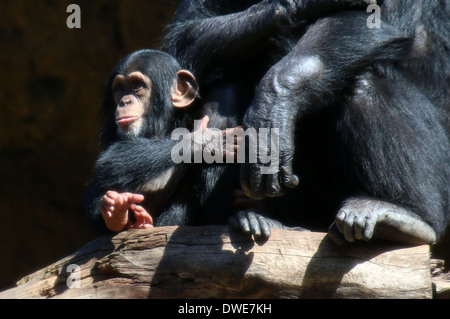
x,y
231,139
108,201
242,222
287,177
204,122
340,216
369,227
348,227
141,215
256,182
344,222
134,198
255,228
107,208
112,194
244,176
359,225
120,200
273,188
264,225
105,211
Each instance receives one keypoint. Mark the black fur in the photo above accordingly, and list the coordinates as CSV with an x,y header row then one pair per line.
x,y
365,111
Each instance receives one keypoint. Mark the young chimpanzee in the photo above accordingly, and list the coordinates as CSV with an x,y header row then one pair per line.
x,y
364,110
136,181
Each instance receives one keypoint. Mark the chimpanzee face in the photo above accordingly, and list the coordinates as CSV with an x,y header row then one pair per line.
x,y
145,89
132,95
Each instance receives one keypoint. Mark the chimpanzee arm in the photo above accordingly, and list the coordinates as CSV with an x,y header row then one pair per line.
x,y
130,164
205,30
134,165
202,31
322,65
146,164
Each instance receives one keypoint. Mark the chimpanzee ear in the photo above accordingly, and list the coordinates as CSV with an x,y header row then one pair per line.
x,y
185,90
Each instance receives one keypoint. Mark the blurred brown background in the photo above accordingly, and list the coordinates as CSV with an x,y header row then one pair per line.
x,y
52,80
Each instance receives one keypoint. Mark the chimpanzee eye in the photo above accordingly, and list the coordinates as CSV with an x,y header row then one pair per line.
x,y
138,86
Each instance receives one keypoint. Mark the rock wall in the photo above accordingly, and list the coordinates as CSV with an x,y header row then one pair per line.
x,y
52,80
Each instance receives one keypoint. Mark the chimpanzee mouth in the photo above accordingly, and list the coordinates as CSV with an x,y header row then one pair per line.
x,y
127,120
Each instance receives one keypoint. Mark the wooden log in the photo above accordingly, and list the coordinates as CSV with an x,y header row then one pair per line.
x,y
211,262
440,277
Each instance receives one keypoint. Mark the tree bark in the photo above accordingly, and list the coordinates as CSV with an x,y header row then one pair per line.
x,y
212,262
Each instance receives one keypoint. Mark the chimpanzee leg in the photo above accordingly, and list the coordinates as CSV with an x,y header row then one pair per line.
x,y
397,152
322,65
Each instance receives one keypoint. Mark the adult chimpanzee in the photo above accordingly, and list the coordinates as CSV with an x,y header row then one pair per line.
x,y
364,108
148,96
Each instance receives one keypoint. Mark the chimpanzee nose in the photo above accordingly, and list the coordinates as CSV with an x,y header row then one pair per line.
x,y
125,100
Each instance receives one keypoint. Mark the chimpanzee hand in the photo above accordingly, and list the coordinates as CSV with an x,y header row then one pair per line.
x,y
115,206
143,220
206,140
257,179
249,220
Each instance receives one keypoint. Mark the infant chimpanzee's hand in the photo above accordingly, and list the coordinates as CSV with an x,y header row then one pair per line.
x,y
209,141
115,211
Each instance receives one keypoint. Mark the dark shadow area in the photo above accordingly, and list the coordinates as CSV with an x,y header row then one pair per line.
x,y
98,249
206,260
441,250
52,83
333,273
